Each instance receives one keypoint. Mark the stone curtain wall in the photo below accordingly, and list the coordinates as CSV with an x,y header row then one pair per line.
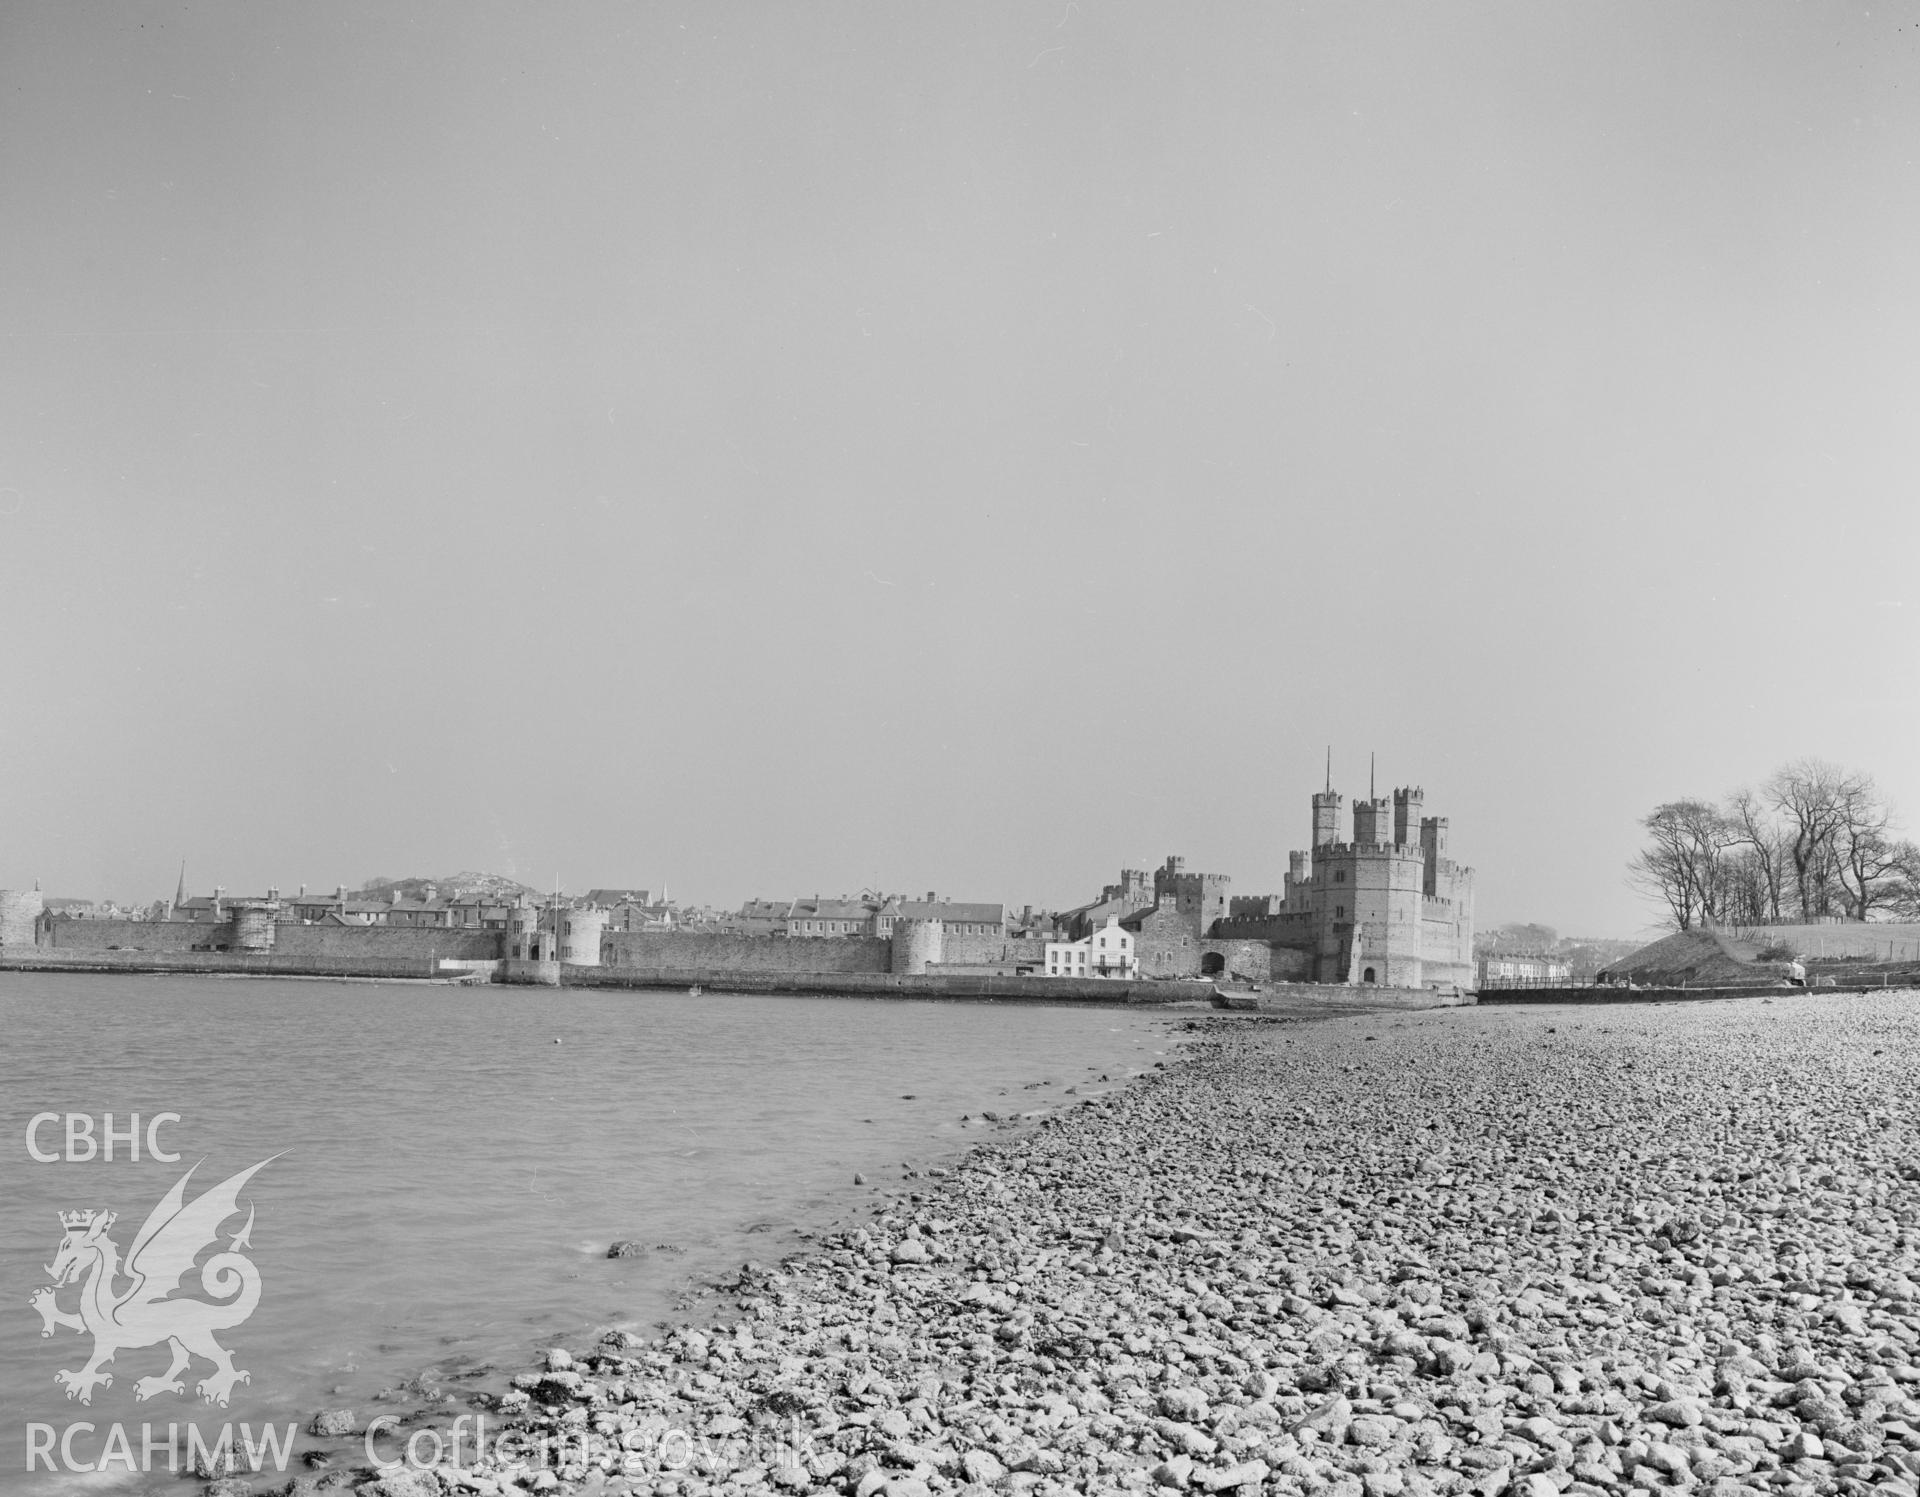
x,y
134,935
992,950
1256,959
330,942
679,951
387,941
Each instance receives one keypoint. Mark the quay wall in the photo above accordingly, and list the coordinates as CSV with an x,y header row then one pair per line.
x,y
686,951
1291,997
986,987
218,963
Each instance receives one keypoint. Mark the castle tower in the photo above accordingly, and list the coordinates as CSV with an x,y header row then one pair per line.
x,y
1326,817
1407,805
1433,845
1372,821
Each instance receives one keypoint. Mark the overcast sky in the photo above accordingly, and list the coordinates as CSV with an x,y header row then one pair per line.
x,y
767,449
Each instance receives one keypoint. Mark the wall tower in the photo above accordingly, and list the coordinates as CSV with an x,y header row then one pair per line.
x,y
917,944
20,912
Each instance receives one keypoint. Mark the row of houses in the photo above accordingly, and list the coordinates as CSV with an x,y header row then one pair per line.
x,y
868,915
627,909
1521,969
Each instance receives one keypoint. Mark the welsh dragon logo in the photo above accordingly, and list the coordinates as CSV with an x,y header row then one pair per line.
x,y
163,1252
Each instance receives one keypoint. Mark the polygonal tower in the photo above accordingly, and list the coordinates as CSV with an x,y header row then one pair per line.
x,y
1326,817
1372,822
1407,805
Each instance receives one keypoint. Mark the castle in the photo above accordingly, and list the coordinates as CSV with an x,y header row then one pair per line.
x,y
1387,907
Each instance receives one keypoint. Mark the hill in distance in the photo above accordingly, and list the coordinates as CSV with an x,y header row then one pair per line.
x,y
453,886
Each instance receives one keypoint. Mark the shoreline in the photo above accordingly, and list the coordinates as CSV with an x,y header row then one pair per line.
x,y
1539,1251
1168,994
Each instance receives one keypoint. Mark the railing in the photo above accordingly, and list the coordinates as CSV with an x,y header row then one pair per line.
x,y
1495,983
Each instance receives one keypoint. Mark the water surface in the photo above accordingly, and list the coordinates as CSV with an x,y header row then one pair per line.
x,y
452,1163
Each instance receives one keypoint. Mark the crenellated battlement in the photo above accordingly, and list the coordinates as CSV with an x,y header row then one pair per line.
x,y
1408,851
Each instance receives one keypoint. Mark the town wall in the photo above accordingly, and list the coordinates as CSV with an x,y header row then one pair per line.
x,y
993,950
290,938
692,951
133,935
426,941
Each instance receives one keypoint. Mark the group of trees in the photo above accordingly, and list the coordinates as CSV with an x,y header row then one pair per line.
x,y
1813,842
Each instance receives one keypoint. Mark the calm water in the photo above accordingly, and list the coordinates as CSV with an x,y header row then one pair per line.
x,y
449,1177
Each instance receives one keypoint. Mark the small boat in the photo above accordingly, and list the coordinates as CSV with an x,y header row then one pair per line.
x,y
694,991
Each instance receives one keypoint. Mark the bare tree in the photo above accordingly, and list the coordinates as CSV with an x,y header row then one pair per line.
x,y
1814,841
1902,888
1809,794
1749,887
1764,873
1684,864
1867,854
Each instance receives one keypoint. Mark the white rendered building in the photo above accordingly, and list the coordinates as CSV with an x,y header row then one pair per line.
x,y
1108,952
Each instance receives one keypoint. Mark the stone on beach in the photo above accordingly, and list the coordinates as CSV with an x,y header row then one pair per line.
x,y
1667,1247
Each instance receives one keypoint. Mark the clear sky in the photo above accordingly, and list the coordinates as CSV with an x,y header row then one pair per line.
x,y
776,449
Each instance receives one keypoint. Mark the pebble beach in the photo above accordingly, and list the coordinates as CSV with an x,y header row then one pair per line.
x,y
1577,1249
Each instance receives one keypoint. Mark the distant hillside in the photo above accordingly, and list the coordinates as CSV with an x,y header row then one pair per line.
x,y
453,886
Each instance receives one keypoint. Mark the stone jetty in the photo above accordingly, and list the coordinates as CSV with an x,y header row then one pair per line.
x,y
1665,1248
